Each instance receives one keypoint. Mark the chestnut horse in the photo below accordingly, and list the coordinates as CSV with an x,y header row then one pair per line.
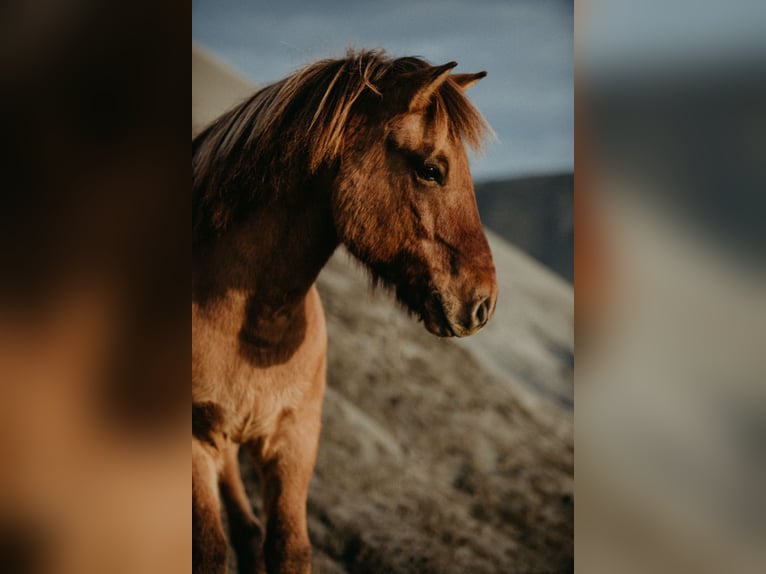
x,y
366,151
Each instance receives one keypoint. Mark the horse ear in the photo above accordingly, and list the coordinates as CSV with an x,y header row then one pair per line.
x,y
427,83
465,81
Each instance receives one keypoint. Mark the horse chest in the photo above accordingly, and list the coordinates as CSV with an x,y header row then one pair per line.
x,y
272,395
253,392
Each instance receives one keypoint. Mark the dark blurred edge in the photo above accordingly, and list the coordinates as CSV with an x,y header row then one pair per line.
x,y
679,144
95,104
693,136
94,166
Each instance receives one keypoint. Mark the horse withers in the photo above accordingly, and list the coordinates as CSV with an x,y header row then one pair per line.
x,y
367,151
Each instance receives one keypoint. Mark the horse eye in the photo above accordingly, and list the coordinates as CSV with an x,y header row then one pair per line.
x,y
429,172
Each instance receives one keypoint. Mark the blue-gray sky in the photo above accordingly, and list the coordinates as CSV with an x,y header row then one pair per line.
x,y
525,45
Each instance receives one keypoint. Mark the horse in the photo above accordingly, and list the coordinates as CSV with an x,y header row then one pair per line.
x,y
366,151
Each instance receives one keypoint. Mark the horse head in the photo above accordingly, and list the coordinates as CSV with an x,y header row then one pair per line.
x,y
404,203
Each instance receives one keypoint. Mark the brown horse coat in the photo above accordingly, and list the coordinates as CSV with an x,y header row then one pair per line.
x,y
366,151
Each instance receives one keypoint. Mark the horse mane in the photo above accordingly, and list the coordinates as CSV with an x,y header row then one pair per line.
x,y
290,129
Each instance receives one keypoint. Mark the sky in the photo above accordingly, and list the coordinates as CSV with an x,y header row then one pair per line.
x,y
526,46
626,36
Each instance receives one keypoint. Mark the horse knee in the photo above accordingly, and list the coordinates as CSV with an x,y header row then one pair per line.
x,y
287,548
287,557
210,555
209,547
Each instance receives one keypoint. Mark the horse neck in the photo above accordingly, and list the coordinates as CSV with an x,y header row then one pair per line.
x,y
266,263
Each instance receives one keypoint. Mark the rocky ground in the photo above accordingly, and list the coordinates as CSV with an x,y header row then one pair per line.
x,y
445,456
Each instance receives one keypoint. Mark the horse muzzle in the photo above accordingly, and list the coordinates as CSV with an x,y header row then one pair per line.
x,y
448,317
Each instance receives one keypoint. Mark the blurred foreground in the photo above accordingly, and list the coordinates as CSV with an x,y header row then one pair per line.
x,y
94,459
671,289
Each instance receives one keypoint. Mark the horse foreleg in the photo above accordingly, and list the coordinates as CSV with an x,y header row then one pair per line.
x,y
244,528
209,549
286,473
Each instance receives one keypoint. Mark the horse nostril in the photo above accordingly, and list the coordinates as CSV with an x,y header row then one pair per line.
x,y
481,312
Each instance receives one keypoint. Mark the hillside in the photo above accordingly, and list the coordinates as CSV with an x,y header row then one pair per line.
x,y
534,213
440,456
